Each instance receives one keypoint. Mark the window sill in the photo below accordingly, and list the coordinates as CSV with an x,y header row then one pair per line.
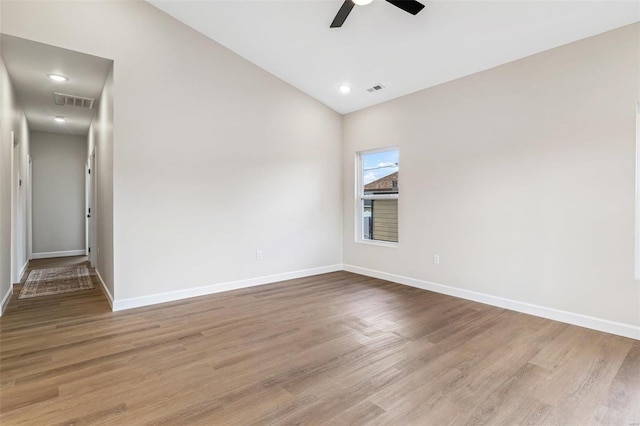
x,y
377,243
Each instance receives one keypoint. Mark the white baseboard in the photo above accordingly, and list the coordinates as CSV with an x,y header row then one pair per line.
x,y
22,270
136,302
620,329
105,289
5,300
47,255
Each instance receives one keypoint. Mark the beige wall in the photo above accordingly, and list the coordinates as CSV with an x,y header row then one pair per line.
x,y
13,247
20,194
213,158
58,193
521,178
100,142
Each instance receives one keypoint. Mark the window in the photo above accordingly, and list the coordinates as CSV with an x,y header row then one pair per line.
x,y
377,197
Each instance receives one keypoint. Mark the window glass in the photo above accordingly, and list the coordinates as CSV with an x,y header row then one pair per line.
x,y
378,195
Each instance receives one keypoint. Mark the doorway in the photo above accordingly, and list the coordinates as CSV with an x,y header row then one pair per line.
x,y
63,100
90,225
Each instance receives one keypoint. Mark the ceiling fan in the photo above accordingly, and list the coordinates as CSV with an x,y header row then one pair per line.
x,y
411,6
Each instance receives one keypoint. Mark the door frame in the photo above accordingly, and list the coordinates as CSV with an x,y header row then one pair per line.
x,y
29,194
91,202
14,212
87,205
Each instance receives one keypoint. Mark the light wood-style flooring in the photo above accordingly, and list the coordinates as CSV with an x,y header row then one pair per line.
x,y
337,349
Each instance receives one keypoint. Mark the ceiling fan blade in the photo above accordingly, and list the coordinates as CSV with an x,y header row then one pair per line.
x,y
411,6
342,14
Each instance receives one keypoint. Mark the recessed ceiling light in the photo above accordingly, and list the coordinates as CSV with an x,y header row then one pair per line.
x,y
362,2
60,119
57,77
344,88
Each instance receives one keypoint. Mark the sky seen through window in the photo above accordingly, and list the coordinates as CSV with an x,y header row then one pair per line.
x,y
379,165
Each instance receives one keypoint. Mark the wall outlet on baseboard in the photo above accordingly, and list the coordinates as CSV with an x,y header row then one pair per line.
x,y
259,255
436,259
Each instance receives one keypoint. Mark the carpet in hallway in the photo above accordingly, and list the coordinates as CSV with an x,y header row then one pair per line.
x,y
45,282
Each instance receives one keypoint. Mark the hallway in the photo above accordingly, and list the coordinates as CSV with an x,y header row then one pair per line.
x,y
41,309
57,165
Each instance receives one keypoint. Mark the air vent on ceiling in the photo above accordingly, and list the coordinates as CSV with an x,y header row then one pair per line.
x,y
71,100
375,88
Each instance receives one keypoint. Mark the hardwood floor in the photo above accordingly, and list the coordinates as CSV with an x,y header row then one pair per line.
x,y
334,349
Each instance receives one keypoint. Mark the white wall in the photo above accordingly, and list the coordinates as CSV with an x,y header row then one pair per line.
x,y
12,215
58,193
213,158
100,141
19,196
521,178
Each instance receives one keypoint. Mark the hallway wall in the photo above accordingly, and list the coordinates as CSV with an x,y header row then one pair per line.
x,y
58,194
213,157
13,221
100,139
19,197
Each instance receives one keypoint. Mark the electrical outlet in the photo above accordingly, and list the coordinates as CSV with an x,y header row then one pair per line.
x,y
259,255
436,259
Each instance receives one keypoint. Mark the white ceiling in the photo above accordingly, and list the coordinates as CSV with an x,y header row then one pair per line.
x,y
381,44
29,62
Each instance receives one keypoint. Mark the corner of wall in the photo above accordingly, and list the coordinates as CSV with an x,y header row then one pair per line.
x,y
5,300
607,326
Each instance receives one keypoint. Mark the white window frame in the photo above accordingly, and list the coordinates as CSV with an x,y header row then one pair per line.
x,y
360,198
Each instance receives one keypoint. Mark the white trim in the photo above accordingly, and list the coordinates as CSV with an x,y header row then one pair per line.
x,y
380,243
136,302
29,208
620,329
23,269
46,255
379,150
617,328
105,289
379,196
637,252
13,214
5,300
360,196
87,208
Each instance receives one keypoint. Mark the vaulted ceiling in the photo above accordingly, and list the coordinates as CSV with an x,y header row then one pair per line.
x,y
380,44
